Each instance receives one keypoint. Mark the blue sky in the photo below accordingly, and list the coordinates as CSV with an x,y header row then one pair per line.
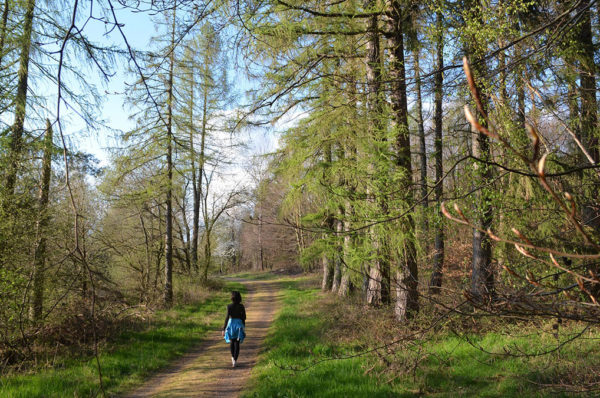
x,y
140,32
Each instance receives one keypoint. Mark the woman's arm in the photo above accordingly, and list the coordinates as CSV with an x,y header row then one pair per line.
x,y
244,315
226,319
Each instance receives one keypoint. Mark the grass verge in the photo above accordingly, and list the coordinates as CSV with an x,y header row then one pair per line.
x,y
309,333
296,341
127,359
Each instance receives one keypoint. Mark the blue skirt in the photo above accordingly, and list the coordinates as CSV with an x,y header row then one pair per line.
x,y
235,330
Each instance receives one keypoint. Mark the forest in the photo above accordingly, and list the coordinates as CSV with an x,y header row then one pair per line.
x,y
426,170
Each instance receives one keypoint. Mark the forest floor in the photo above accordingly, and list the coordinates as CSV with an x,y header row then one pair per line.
x,y
206,370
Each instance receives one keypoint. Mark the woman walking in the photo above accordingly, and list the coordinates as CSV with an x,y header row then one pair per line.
x,y
234,327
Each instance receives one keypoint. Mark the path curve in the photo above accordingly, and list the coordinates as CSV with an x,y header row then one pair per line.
x,y
206,370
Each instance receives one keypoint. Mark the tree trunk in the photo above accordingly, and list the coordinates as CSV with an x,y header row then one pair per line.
x,y
195,180
422,146
39,260
168,288
3,27
407,276
346,283
482,275
160,251
438,255
145,281
261,256
589,111
199,191
587,77
16,140
350,153
520,87
376,293
503,93
184,237
327,283
337,277
337,272
207,252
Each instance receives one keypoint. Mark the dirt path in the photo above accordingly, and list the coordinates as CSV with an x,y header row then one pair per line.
x,y
206,370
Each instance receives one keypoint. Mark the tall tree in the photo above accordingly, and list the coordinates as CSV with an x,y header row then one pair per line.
x,y
168,288
407,276
4,30
39,256
438,255
378,288
421,134
206,96
16,140
476,46
589,106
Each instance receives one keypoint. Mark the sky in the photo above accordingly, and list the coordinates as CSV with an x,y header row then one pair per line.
x,y
140,32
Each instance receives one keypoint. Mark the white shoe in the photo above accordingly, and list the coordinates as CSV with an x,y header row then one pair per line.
x,y
232,362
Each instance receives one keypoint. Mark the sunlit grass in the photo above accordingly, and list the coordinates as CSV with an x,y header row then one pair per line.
x,y
296,341
299,360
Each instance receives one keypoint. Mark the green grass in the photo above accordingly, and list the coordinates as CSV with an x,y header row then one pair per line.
x,y
129,358
448,366
296,341
467,368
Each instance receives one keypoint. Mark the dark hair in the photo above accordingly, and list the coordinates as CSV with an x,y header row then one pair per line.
x,y
236,297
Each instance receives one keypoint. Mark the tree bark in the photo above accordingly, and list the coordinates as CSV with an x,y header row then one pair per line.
x,y
407,276
337,277
3,27
145,277
346,282
201,164
184,237
207,251
482,275
337,271
438,255
261,256
422,146
195,180
168,288
589,111
376,292
587,77
327,283
520,97
39,260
